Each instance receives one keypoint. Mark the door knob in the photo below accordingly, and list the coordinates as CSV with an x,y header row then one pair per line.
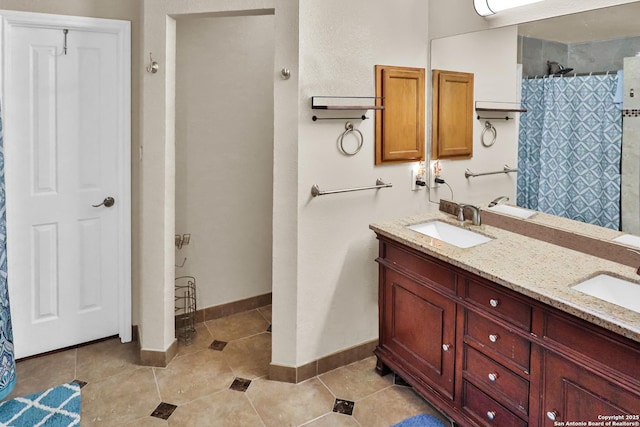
x,y
107,202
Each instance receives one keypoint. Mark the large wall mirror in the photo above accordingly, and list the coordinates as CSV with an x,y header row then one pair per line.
x,y
591,59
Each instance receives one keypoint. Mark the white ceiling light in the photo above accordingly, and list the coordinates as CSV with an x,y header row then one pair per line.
x,y
489,7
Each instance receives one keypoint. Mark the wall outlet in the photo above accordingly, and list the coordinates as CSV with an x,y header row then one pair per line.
x,y
432,181
182,240
414,179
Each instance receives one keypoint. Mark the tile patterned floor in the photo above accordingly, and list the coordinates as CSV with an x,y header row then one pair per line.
x,y
220,380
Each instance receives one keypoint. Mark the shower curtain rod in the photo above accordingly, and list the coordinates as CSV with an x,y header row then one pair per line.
x,y
595,73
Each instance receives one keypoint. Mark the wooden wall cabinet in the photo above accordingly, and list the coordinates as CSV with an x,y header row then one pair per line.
x,y
400,126
452,116
487,356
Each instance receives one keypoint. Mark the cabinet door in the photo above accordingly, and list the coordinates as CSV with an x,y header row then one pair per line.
x,y
571,393
452,121
419,328
400,126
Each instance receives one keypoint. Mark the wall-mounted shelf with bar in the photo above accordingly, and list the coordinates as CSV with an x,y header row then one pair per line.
x,y
498,107
344,103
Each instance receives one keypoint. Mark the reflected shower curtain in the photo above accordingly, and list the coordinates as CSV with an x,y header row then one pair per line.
x,y
569,148
7,360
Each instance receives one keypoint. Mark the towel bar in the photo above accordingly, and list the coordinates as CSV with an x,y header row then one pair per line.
x,y
507,169
315,190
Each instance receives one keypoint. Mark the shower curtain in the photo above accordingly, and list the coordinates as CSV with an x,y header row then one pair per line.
x,y
569,148
7,360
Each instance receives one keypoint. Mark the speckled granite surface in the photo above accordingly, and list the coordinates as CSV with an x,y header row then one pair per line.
x,y
540,270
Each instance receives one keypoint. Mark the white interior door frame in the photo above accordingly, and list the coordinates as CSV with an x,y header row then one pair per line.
x,y
122,29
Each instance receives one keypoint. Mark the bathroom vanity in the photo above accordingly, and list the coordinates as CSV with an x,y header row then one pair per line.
x,y
494,335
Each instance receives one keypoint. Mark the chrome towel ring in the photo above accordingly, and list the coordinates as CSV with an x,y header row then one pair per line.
x,y
348,126
488,127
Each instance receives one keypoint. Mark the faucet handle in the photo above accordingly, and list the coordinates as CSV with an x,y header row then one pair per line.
x,y
461,207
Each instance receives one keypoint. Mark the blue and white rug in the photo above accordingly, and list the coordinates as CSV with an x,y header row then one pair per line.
x,y
422,420
57,407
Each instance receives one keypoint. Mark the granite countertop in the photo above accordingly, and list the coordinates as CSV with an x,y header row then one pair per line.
x,y
532,267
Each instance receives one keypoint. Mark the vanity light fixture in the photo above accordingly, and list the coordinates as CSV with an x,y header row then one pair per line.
x,y
490,7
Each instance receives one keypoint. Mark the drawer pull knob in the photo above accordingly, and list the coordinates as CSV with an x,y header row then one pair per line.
x,y
493,377
494,337
491,415
446,347
552,415
494,302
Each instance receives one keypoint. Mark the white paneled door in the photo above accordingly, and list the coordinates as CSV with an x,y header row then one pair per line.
x,y
67,148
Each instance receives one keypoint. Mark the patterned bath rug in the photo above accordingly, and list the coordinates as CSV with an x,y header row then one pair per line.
x,y
422,420
57,407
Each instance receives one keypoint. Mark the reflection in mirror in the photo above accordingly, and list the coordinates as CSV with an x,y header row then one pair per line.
x,y
579,140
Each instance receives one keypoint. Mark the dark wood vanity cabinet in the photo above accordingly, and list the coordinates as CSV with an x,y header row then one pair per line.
x,y
587,373
571,392
417,330
427,353
488,356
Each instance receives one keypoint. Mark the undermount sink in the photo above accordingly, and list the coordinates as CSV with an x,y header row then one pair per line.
x,y
513,211
612,289
628,239
456,236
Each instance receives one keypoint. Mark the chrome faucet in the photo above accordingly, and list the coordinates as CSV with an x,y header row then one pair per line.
x,y
499,200
475,213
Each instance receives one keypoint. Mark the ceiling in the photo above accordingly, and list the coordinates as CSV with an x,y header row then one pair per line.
x,y
601,24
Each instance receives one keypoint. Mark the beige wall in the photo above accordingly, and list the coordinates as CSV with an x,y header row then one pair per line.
x,y
340,43
224,154
158,165
491,55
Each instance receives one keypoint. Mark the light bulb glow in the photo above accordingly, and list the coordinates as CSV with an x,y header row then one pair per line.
x,y
489,7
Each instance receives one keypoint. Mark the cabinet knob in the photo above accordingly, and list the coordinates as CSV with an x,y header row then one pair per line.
x,y
491,415
494,337
552,415
446,347
494,302
493,376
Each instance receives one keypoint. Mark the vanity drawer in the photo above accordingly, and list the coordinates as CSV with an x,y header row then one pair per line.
x,y
492,338
421,266
486,410
498,381
499,303
595,343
